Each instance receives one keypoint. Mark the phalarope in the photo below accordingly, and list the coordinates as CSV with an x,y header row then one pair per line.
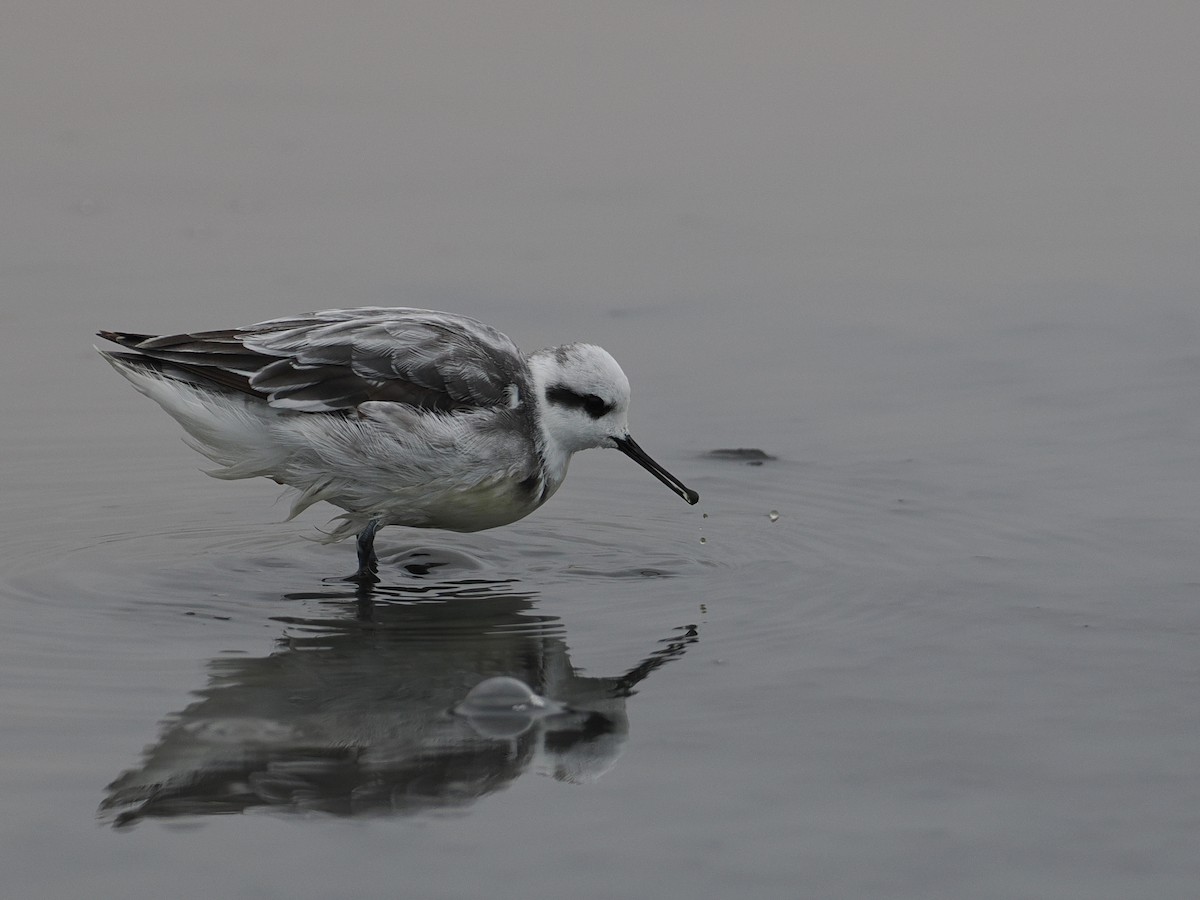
x,y
398,416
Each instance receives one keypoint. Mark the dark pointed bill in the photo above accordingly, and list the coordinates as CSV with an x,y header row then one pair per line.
x,y
629,447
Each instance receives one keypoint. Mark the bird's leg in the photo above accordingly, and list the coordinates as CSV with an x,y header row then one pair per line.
x,y
368,562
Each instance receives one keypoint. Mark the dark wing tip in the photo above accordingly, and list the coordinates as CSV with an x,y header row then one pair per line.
x,y
124,338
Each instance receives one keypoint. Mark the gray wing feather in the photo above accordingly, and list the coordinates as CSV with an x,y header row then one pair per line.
x,y
338,359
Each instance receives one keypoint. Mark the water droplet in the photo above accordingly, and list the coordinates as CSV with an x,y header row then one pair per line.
x,y
773,515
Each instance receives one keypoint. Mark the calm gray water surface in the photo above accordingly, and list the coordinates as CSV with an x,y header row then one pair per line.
x,y
939,264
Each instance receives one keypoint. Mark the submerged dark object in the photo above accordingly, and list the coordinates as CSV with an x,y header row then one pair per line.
x,y
751,456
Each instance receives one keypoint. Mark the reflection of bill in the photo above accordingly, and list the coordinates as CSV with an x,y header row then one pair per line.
x,y
376,714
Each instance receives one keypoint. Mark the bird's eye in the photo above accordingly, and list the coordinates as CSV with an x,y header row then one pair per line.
x,y
594,406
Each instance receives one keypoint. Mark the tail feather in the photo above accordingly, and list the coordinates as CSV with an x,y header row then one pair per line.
x,y
232,430
243,435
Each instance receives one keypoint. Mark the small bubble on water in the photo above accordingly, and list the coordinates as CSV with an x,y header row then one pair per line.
x,y
773,515
501,694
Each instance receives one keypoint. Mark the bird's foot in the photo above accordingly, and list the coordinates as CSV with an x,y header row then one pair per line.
x,y
364,576
368,562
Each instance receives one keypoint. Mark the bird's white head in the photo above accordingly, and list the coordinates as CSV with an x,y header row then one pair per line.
x,y
583,395
584,401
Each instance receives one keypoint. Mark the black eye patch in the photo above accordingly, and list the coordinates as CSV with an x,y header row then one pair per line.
x,y
594,406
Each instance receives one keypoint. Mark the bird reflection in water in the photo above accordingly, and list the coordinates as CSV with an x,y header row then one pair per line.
x,y
380,704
